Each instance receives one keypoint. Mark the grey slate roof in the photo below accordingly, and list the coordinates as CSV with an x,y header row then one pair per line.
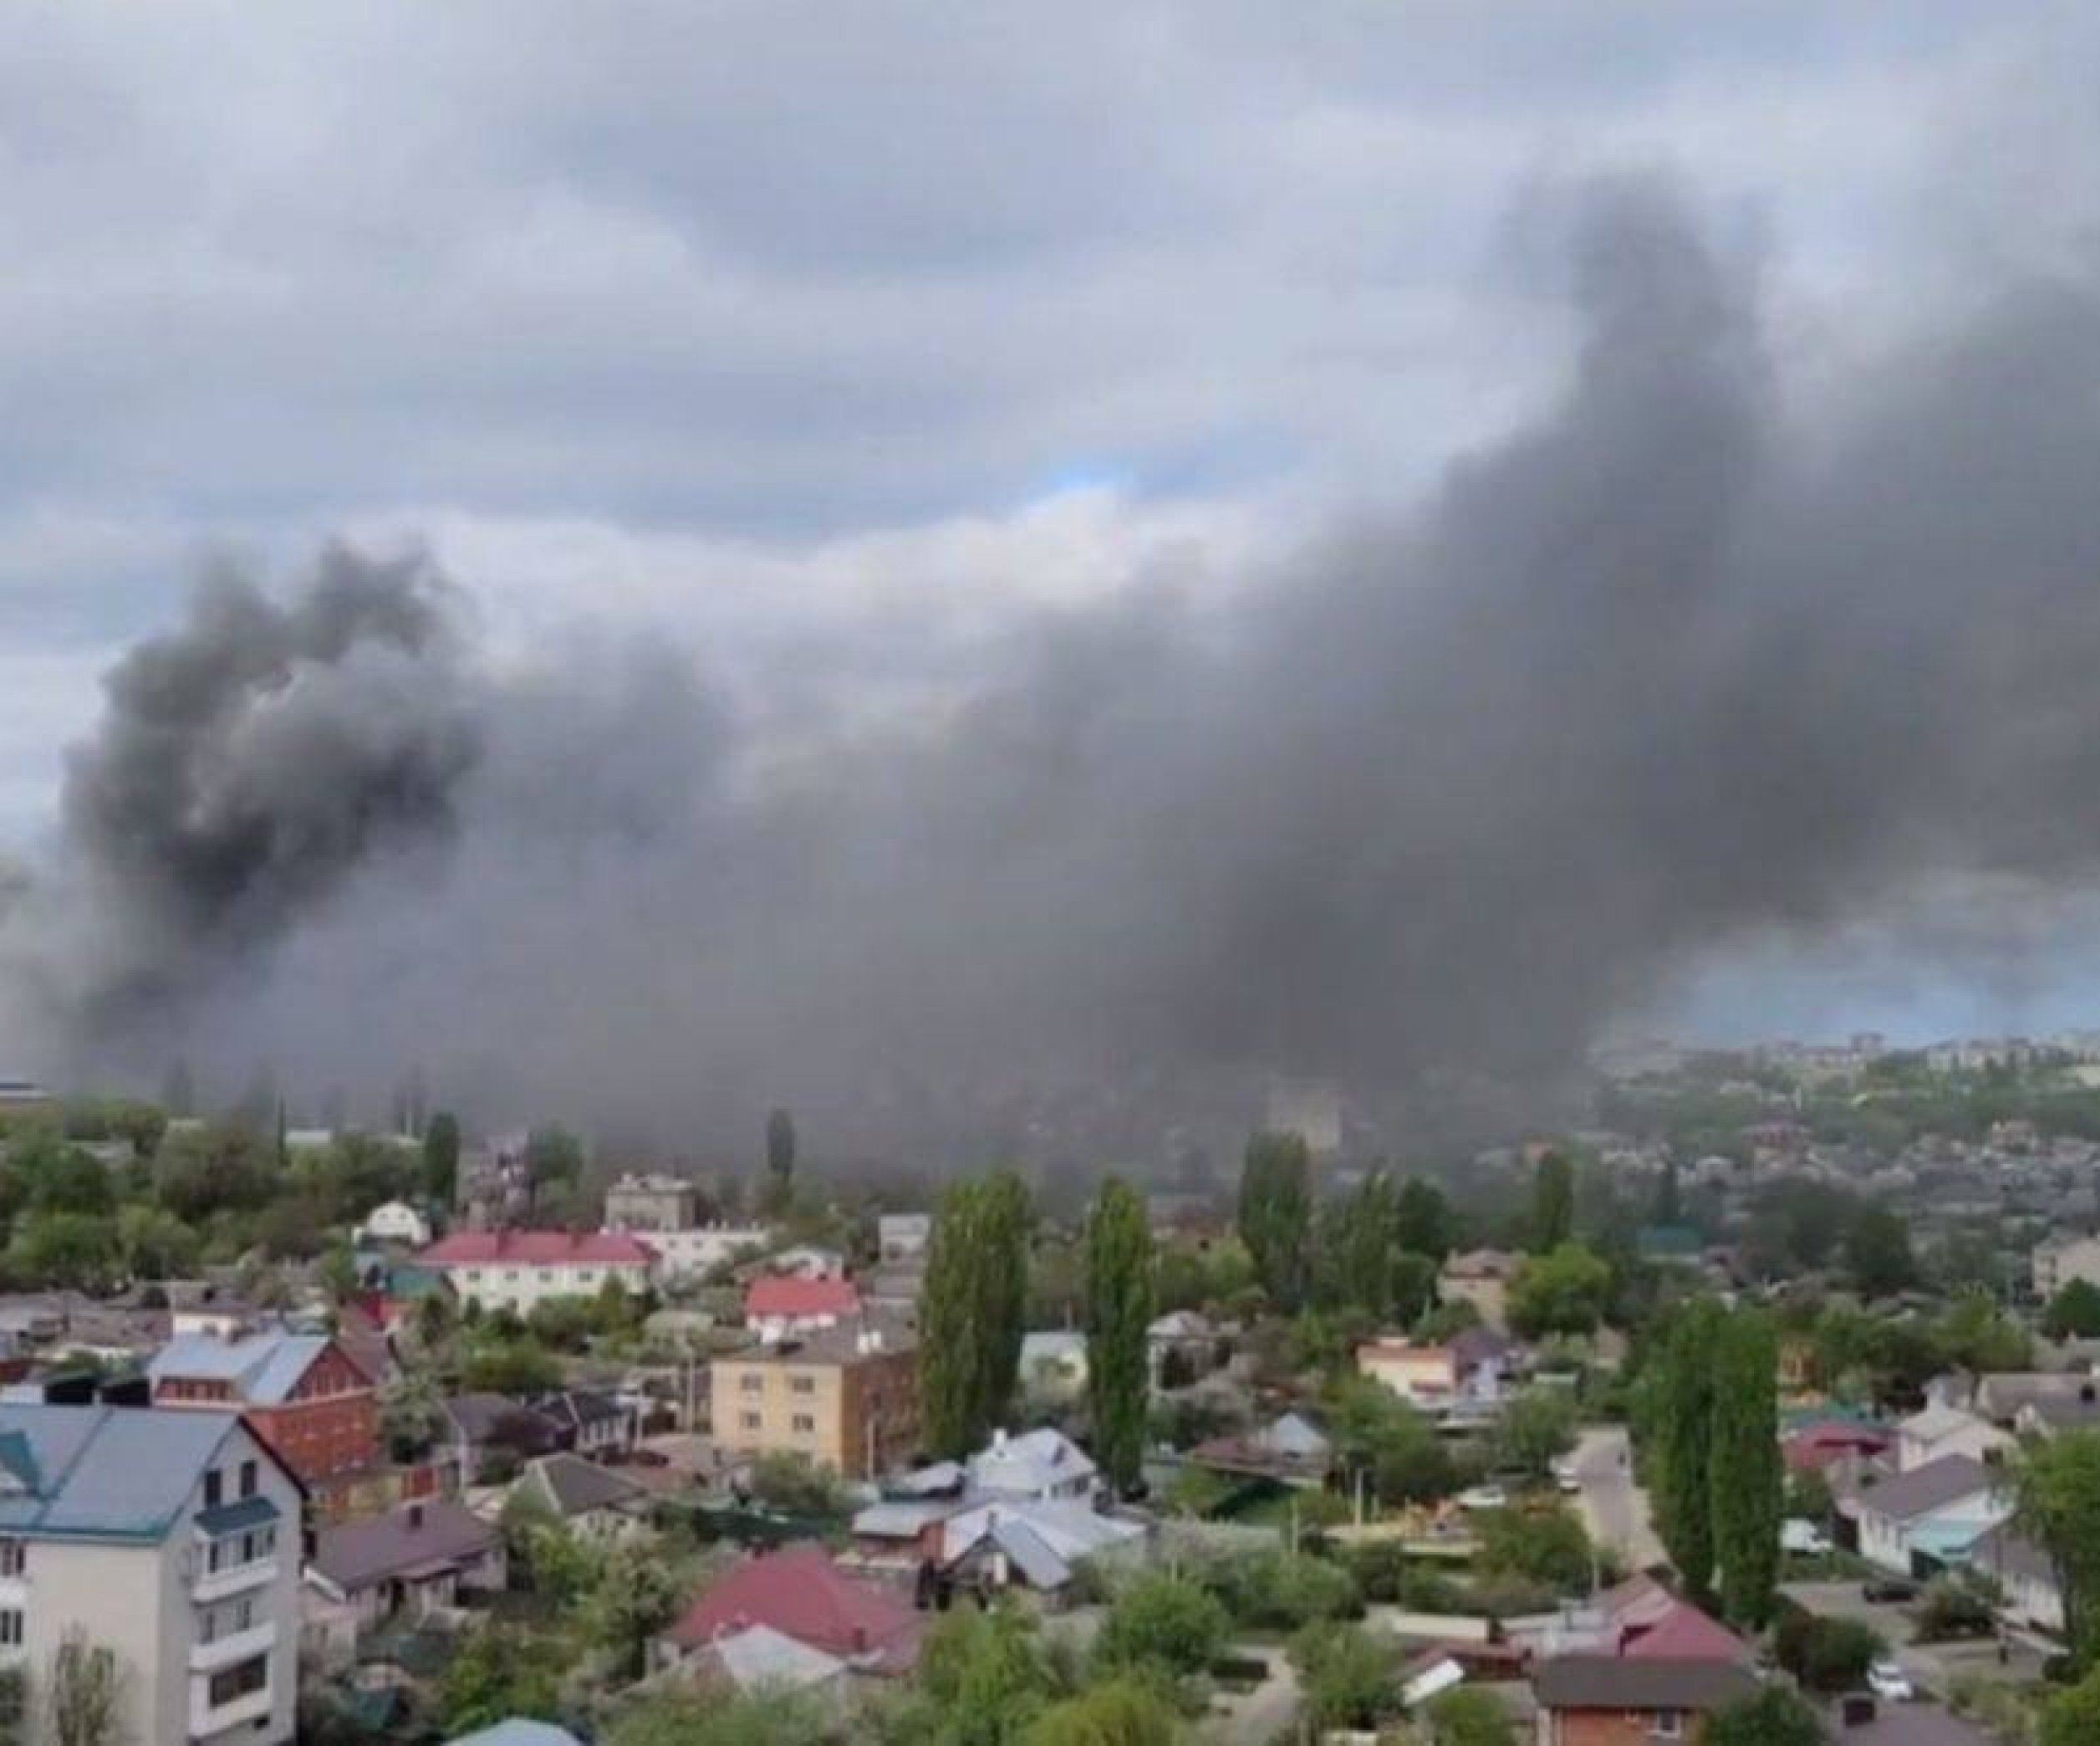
x,y
103,1472
1906,1496
1617,1682
575,1487
357,1555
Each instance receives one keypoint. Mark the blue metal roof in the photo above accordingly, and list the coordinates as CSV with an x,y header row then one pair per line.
x,y
262,1368
121,1472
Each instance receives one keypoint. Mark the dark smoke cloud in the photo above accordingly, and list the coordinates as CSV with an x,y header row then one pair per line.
x,y
248,763
1687,659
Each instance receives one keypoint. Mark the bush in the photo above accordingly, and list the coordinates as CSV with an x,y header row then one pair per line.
x,y
1282,1591
1430,1591
1166,1622
1825,1655
1954,1608
1351,1678
1541,1543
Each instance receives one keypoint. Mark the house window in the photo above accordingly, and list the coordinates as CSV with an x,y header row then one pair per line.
x,y
1667,1725
212,1489
10,1627
14,1556
247,1478
803,1385
805,1423
751,1382
749,1420
243,1679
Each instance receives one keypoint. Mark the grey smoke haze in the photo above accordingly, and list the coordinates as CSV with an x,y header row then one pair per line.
x,y
1694,657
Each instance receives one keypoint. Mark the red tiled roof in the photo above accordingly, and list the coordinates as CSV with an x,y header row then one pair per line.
x,y
799,1592
1684,1633
537,1248
779,1294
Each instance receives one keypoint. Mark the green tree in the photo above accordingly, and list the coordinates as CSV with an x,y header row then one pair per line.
x,y
83,1692
1544,1545
1162,1621
984,1678
1748,1477
1468,1716
1669,1208
2073,1717
1423,1219
1114,1713
1682,1401
74,1250
779,1159
440,1158
1824,1654
1350,1678
2074,1312
1536,1428
1119,1286
1552,1203
154,1244
2057,1495
634,1598
1972,1335
972,1303
1877,1252
1276,1216
553,1158
1773,1717
1375,1433
756,1718
411,1415
1563,1291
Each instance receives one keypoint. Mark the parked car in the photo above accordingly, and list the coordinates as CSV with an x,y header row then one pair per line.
x,y
1886,1589
1484,1497
1566,1475
1798,1534
1889,1683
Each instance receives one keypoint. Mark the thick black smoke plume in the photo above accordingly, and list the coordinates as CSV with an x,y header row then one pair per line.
x,y
1688,660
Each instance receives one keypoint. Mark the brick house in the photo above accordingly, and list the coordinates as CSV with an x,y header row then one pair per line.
x,y
302,1395
1609,1700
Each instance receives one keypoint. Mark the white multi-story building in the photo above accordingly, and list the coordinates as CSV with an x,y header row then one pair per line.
x,y
172,1541
517,1269
693,1253
396,1221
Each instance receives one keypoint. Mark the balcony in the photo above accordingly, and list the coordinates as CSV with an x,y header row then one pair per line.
x,y
204,1721
236,1645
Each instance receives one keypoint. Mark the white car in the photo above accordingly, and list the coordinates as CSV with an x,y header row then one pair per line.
x,y
1566,1475
1889,1683
1484,1497
1798,1534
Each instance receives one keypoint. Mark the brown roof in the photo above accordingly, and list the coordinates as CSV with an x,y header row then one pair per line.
x,y
418,1538
1612,1683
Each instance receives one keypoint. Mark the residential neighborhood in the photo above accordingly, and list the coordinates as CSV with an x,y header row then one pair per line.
x,y
1416,1456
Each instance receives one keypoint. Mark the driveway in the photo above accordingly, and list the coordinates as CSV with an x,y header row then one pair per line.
x,y
1612,1508
1262,1715
1932,1667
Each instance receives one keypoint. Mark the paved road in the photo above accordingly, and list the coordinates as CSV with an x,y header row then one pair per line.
x,y
1613,1509
1261,1717
1932,1667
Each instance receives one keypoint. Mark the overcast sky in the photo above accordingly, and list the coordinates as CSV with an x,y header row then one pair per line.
x,y
828,334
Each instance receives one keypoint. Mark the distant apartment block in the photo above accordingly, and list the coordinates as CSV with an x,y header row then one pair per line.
x,y
846,1398
172,1541
652,1203
515,1270
1481,1278
2059,1259
902,1237
695,1251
